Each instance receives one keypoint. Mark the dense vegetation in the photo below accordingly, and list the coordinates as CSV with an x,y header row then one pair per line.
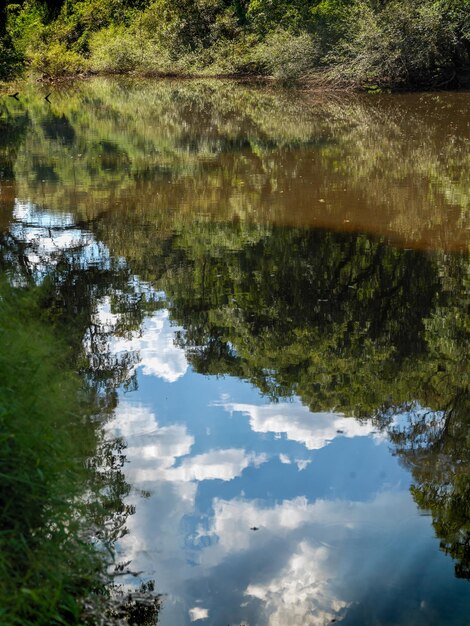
x,y
372,43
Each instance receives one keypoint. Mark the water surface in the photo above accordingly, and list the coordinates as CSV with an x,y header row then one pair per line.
x,y
273,289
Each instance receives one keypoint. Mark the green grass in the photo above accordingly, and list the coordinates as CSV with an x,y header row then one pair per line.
x,y
62,489
46,563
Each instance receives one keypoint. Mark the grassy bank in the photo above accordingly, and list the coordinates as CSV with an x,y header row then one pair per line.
x,y
61,488
392,43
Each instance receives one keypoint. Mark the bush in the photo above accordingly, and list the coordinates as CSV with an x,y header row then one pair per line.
x,y
287,57
10,60
268,15
234,56
116,49
402,43
25,25
55,60
423,43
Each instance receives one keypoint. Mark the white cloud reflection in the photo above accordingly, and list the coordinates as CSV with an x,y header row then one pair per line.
x,y
224,464
153,450
197,613
154,342
304,566
309,578
314,430
300,594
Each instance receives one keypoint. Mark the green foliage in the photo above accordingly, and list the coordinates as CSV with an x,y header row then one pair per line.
x,y
399,43
10,59
269,15
174,38
287,57
55,60
115,49
25,25
330,21
420,43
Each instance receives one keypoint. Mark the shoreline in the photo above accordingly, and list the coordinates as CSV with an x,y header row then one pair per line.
x,y
313,83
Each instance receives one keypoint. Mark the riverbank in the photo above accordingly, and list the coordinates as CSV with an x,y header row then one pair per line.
x,y
315,84
422,44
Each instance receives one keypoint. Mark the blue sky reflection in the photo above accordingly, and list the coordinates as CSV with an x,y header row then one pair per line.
x,y
339,537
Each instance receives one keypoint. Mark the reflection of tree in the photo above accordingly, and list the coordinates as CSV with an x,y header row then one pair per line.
x,y
162,151
12,130
435,446
345,322
339,320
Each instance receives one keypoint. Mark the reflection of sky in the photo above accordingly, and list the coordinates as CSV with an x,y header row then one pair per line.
x,y
48,235
154,343
158,356
339,537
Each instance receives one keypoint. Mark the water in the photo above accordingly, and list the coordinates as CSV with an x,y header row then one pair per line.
x,y
272,292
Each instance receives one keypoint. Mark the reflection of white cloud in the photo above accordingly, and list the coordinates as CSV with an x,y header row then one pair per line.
x,y
156,536
155,343
300,594
215,464
104,316
31,214
48,235
154,532
152,449
55,241
133,419
302,567
233,519
308,581
315,430
197,613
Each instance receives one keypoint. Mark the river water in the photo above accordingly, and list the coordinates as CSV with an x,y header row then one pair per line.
x,y
273,287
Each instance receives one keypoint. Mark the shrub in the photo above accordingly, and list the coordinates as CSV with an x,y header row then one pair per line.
x,y
10,59
116,49
25,25
268,15
287,57
400,44
55,60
